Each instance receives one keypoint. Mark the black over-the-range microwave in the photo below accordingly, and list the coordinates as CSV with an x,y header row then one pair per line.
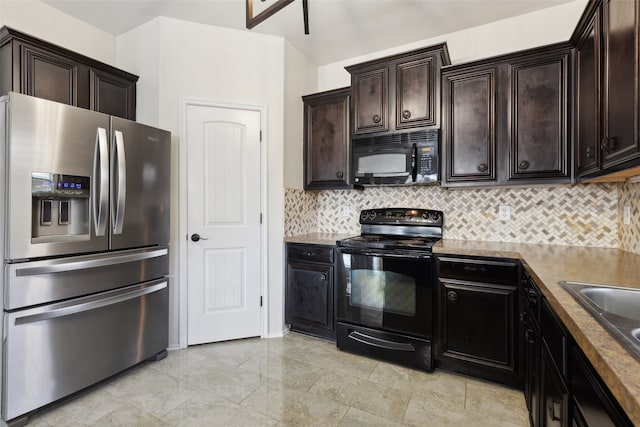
x,y
396,159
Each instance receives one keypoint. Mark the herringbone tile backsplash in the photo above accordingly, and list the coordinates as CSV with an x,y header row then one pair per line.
x,y
580,215
629,235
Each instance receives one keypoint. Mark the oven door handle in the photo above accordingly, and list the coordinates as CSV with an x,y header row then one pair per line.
x,y
379,342
387,254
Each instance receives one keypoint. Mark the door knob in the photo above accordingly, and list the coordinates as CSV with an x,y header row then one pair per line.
x,y
195,237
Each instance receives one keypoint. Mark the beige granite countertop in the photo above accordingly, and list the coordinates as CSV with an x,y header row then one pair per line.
x,y
548,265
318,238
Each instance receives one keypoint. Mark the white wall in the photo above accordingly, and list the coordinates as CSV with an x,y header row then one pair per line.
x,y
300,79
509,35
40,20
217,64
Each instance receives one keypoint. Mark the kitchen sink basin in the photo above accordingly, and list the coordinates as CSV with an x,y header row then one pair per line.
x,y
617,309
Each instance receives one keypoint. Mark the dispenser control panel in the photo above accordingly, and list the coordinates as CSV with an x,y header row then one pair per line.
x,y
55,185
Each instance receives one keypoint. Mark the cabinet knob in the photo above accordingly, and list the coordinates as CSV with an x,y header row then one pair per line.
x,y
483,167
339,174
608,144
452,296
376,118
309,253
523,165
590,152
406,114
323,276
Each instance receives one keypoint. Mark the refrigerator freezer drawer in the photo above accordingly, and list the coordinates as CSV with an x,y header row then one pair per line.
x,y
40,282
55,350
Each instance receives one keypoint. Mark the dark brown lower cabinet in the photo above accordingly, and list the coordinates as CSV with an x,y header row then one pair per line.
x,y
309,305
478,318
561,386
554,394
593,404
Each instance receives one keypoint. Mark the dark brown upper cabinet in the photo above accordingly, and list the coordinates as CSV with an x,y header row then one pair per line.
x,y
607,86
539,144
34,67
397,92
506,120
326,140
470,105
112,94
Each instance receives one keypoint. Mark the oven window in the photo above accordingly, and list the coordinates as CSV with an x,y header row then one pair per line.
x,y
384,290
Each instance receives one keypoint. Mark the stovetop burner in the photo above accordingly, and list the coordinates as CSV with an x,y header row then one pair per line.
x,y
389,242
397,229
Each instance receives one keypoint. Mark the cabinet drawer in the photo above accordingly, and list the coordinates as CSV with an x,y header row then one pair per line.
x,y
310,253
479,270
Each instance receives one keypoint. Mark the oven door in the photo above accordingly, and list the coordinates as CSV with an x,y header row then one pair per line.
x,y
385,290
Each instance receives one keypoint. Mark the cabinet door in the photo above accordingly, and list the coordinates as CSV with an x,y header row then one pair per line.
x,y
532,369
48,75
469,122
370,101
621,142
326,140
587,100
478,323
538,104
112,95
554,395
416,93
593,404
309,304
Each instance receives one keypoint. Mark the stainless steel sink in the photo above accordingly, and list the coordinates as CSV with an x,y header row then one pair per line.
x,y
617,309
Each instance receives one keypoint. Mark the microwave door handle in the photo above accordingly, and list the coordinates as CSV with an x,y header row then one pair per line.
x,y
100,193
414,161
119,165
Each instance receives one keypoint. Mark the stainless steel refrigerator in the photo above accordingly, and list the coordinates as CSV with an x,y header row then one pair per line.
x,y
85,228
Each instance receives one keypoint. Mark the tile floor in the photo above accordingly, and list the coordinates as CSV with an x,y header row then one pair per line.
x,y
294,380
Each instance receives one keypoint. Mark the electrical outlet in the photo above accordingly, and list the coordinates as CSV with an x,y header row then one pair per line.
x,y
626,215
504,212
346,211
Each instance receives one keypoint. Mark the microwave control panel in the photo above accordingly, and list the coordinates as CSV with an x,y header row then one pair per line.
x,y
427,159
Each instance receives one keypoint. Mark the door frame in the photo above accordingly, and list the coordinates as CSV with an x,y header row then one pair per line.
x,y
185,103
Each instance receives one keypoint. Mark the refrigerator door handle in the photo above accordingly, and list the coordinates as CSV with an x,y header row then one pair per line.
x,y
100,193
94,303
90,263
119,165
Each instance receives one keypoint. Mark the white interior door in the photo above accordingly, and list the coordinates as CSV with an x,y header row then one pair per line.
x,y
223,188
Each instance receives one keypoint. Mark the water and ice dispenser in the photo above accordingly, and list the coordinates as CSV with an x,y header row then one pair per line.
x,y
60,207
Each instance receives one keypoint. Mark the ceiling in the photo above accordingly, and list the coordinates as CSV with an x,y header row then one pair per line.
x,y
339,29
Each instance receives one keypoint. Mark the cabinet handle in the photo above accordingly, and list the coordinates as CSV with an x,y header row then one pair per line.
x,y
452,296
406,114
339,174
523,165
323,276
483,167
551,410
608,144
376,118
309,253
590,153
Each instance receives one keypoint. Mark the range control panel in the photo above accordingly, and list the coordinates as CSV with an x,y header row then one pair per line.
x,y
402,216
